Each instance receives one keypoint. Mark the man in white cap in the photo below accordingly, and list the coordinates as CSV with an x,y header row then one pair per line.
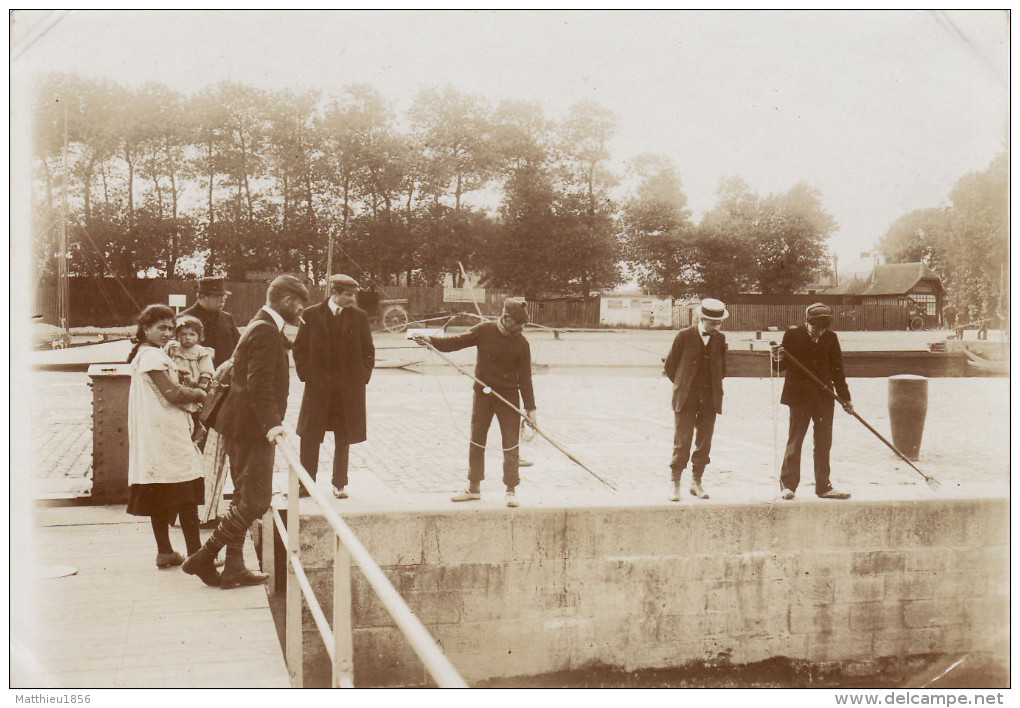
x,y
696,364
815,346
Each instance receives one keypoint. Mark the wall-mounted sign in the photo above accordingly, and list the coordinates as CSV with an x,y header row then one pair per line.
x,y
464,295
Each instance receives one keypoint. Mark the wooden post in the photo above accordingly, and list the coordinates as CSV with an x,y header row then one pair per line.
x,y
343,626
269,549
295,638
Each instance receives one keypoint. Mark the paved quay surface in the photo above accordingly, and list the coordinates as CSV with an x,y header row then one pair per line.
x,y
600,395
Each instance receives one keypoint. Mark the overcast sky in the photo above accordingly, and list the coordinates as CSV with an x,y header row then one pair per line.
x,y
882,112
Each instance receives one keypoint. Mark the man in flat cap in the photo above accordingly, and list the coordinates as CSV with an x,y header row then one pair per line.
x,y
815,346
251,421
219,331
696,364
504,367
334,357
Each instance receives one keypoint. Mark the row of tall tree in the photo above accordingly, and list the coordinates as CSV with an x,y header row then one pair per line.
x,y
234,180
965,242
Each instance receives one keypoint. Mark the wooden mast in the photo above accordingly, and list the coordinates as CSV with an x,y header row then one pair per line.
x,y
63,298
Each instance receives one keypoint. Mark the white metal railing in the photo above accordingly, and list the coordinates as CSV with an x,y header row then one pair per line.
x,y
339,640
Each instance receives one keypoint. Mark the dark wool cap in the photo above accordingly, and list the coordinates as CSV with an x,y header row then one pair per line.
x,y
516,308
291,285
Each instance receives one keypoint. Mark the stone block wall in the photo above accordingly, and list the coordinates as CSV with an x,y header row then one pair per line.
x,y
533,591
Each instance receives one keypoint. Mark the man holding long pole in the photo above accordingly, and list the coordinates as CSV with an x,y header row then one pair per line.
x,y
503,367
817,348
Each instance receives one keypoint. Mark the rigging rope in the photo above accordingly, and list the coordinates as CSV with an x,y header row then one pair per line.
x,y
106,264
522,414
449,410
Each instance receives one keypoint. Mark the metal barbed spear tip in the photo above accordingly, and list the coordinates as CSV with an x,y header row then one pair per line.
x,y
488,390
929,480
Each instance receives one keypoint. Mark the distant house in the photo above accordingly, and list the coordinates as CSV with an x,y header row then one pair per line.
x,y
635,310
913,285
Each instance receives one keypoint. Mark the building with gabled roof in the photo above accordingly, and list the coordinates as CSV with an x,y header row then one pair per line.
x,y
914,285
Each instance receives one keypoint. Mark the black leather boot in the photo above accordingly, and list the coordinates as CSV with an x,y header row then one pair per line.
x,y
235,574
203,564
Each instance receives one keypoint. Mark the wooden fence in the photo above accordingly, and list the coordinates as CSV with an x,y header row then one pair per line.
x,y
845,318
109,302
566,312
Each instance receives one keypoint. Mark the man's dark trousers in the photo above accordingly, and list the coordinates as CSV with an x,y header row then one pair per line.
x,y
698,413
818,412
342,453
483,407
251,465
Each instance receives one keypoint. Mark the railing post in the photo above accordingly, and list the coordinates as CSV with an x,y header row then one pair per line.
x,y
347,551
269,549
295,639
343,626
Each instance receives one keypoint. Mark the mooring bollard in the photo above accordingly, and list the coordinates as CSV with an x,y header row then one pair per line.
x,y
908,404
110,385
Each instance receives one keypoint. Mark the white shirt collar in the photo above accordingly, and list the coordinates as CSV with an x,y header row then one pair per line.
x,y
277,318
333,307
701,329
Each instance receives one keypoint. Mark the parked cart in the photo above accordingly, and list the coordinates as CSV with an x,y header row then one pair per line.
x,y
394,316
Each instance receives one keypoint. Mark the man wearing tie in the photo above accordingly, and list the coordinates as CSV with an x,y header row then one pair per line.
x,y
696,365
334,357
251,421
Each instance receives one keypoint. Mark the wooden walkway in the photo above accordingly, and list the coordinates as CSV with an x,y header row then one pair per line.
x,y
121,622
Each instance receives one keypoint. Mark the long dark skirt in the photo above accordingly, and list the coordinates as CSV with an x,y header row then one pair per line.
x,y
149,499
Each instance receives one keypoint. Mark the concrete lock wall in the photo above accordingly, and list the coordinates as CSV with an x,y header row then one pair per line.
x,y
533,591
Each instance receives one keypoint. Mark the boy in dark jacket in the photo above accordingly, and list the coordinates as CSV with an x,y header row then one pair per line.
x,y
504,366
815,346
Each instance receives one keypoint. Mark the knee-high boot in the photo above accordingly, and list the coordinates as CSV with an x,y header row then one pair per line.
x,y
234,572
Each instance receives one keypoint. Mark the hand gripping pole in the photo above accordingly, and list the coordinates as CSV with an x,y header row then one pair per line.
x,y
931,481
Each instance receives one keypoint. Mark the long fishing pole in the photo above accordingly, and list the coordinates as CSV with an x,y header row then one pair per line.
x,y
485,318
488,389
931,481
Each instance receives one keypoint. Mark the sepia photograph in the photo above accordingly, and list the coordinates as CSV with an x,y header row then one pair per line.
x,y
510,349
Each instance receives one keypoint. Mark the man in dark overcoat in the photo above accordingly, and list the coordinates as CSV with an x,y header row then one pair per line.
x,y
219,330
251,421
334,357
696,364
815,346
